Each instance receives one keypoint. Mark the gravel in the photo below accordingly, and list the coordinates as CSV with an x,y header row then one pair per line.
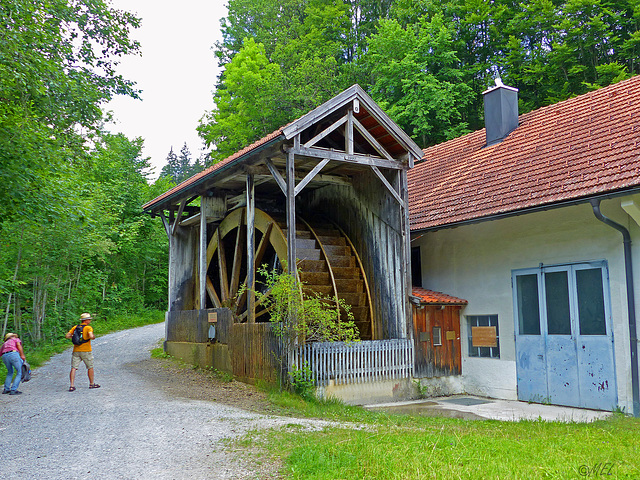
x,y
151,419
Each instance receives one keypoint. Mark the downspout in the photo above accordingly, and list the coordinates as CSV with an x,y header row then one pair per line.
x,y
633,337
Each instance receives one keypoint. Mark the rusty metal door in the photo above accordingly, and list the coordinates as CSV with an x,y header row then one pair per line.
x,y
564,341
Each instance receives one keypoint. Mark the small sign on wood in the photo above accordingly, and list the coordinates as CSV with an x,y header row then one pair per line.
x,y
451,335
213,317
484,337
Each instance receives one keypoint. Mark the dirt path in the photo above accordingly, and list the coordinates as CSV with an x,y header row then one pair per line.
x,y
150,420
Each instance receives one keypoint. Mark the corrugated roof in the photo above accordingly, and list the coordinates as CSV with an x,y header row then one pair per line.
x,y
431,297
581,147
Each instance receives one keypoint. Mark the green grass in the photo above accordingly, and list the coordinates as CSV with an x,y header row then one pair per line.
x,y
41,353
409,447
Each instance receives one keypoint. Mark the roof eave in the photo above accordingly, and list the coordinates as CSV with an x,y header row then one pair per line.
x,y
534,209
348,95
152,206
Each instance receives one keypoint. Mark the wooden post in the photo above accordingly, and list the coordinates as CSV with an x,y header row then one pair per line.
x,y
406,250
251,267
349,133
291,213
202,257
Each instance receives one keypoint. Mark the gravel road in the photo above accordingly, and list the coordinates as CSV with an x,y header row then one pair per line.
x,y
133,427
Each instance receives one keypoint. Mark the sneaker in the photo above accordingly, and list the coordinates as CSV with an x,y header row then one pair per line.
x,y
4,390
16,392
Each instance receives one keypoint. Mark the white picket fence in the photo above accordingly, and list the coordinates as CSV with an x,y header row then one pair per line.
x,y
356,362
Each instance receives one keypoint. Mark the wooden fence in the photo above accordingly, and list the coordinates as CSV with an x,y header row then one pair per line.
x,y
356,362
255,352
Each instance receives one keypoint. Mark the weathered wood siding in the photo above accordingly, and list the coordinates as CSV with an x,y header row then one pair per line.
x,y
183,248
193,325
255,352
437,360
371,217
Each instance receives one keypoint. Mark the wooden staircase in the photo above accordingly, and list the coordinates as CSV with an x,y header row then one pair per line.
x,y
328,265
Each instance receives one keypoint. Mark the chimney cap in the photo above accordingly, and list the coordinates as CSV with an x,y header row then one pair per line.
x,y
498,85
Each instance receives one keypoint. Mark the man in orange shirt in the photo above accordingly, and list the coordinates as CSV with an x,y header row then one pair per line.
x,y
82,352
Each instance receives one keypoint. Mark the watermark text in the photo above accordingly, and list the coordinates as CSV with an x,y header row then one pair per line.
x,y
595,470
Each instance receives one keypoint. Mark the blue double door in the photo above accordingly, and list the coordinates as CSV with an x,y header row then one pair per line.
x,y
564,340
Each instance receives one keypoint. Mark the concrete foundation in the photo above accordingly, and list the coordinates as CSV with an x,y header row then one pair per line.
x,y
370,392
440,386
214,355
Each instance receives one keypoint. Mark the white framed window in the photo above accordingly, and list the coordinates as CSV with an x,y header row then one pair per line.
x,y
483,336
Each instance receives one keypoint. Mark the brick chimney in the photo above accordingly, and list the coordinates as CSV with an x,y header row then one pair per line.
x,y
500,111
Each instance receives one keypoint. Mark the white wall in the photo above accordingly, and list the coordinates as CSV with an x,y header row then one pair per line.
x,y
474,262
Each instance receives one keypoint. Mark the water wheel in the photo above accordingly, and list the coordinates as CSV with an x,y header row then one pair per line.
x,y
327,263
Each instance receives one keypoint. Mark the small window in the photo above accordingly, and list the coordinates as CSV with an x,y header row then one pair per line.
x,y
416,267
484,338
437,336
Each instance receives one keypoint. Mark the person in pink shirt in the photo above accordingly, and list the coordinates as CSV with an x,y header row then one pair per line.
x,y
12,356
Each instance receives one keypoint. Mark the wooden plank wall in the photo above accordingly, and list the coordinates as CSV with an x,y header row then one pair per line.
x,y
183,249
371,218
254,352
441,360
192,326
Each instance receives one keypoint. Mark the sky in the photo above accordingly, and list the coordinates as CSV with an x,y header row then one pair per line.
x,y
176,73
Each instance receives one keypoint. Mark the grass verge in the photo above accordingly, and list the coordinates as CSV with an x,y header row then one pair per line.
x,y
385,446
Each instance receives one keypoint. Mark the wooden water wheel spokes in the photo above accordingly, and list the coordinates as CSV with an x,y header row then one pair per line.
x,y
227,268
327,262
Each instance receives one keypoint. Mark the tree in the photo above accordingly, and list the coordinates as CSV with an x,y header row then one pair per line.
x,y
418,80
426,62
244,112
72,232
58,64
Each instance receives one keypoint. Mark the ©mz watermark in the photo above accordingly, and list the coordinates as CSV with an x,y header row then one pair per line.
x,y
595,470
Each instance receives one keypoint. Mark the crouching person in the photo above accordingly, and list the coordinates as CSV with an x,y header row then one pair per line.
x,y
81,336
12,355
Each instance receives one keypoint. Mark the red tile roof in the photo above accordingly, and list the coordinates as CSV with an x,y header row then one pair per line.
x,y
436,298
218,166
581,147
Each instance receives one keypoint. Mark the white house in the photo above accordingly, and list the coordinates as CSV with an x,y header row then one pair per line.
x,y
535,222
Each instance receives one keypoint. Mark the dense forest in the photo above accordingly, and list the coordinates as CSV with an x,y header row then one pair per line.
x,y
426,62
73,237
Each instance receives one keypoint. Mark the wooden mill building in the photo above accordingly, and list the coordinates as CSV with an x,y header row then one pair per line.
x,y
327,192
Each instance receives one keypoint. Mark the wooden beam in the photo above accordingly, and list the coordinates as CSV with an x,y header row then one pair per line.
x,y
326,132
202,254
388,185
177,217
276,175
356,158
237,258
251,232
406,237
291,212
261,171
262,248
374,143
165,223
222,269
298,188
348,138
212,293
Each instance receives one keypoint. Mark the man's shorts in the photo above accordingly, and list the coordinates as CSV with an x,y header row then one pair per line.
x,y
86,357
